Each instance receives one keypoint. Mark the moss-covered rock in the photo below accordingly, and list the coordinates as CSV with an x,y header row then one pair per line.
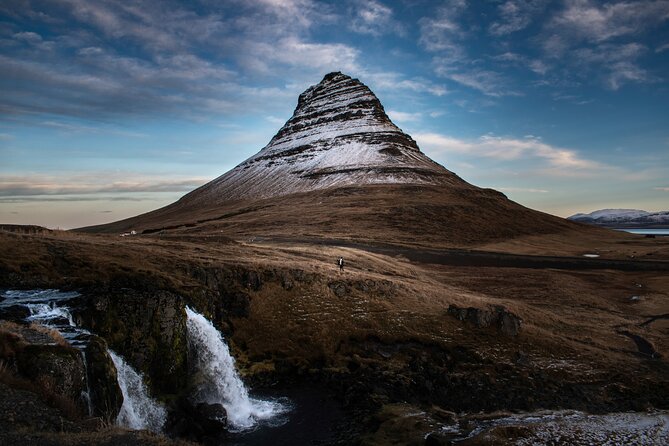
x,y
58,368
105,393
147,328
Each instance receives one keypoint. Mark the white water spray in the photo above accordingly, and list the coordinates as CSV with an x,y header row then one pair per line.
x,y
220,382
139,411
47,307
48,312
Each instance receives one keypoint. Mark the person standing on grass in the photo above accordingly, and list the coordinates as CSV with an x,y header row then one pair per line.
x,y
340,262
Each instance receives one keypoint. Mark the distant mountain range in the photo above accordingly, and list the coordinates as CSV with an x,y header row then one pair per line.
x,y
630,218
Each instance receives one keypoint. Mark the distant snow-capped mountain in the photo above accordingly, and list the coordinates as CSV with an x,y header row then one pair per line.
x,y
623,217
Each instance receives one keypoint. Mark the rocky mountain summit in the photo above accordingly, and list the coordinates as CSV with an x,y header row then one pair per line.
x,y
338,135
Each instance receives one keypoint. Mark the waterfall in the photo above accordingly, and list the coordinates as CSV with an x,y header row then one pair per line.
x,y
86,394
49,308
220,382
48,312
139,411
46,307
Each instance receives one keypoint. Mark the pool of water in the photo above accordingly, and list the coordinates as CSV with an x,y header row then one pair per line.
x,y
315,418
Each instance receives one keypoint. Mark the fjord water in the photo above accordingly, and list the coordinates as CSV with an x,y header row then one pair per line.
x,y
642,231
220,381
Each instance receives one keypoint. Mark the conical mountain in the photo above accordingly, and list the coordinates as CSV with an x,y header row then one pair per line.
x,y
339,135
339,168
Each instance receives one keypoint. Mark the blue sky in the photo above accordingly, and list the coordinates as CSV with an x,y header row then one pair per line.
x,y
113,108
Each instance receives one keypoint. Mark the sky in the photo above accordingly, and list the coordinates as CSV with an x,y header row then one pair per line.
x,y
113,108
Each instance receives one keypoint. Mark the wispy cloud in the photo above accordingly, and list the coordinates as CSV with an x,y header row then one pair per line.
x,y
662,188
120,58
70,128
601,38
374,18
521,189
597,22
490,83
103,183
400,116
615,63
536,65
515,15
444,35
558,160
71,199
395,81
294,52
443,31
275,120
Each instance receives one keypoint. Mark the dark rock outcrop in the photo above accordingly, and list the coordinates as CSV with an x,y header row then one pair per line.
x,y
40,361
105,393
147,328
197,421
14,313
498,317
57,367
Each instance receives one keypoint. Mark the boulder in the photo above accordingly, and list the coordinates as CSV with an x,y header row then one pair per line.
x,y
497,316
197,421
339,288
59,369
14,313
213,418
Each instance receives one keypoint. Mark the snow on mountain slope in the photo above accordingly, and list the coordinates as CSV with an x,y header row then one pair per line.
x,y
611,214
622,216
338,135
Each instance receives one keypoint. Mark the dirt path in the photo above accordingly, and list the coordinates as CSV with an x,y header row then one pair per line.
x,y
466,257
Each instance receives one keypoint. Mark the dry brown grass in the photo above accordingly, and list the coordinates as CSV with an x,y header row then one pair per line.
x,y
11,342
11,345
52,333
44,388
569,317
113,435
435,216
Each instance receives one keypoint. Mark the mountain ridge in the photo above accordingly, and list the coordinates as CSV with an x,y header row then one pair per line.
x,y
623,217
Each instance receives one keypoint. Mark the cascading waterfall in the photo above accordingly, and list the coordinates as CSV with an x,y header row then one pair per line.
x,y
45,309
87,393
220,381
139,410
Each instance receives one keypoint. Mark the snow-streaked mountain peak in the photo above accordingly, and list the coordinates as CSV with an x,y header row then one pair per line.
x,y
339,135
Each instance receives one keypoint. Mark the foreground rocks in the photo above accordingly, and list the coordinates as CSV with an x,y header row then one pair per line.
x,y
105,393
200,422
37,359
497,317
